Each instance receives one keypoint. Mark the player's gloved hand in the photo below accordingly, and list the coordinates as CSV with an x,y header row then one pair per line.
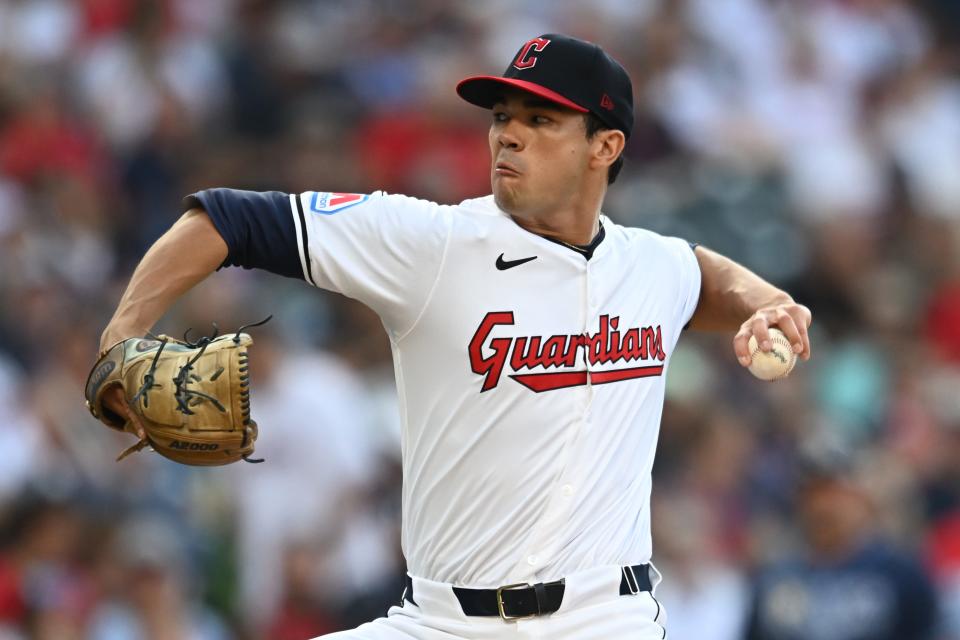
x,y
115,400
188,401
791,318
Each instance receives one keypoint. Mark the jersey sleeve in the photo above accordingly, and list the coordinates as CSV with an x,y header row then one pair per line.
x,y
257,227
383,250
688,272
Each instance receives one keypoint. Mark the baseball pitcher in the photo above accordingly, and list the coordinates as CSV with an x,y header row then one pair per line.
x,y
531,337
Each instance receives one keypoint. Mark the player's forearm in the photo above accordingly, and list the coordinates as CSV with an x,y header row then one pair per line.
x,y
730,293
186,254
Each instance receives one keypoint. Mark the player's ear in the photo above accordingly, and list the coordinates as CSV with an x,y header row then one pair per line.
x,y
607,146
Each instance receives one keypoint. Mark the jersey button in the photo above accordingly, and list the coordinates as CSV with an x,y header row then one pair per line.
x,y
532,560
567,490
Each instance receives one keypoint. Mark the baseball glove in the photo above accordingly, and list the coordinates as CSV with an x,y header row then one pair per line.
x,y
193,398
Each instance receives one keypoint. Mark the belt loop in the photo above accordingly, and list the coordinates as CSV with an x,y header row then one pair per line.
x,y
540,592
631,579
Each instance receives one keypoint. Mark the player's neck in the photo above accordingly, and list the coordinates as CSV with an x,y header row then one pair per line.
x,y
572,229
572,219
576,224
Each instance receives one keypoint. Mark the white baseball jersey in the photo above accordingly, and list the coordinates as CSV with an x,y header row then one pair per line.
x,y
530,375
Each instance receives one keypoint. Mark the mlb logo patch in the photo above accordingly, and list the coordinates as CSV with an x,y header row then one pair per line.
x,y
327,202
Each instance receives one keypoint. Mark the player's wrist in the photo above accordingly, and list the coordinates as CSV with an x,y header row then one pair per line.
x,y
767,308
779,299
115,334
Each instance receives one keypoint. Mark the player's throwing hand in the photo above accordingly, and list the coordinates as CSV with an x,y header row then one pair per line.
x,y
791,318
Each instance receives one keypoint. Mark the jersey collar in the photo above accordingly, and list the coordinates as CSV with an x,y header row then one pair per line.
x,y
586,250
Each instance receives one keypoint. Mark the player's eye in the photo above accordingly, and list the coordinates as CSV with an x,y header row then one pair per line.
x,y
540,120
499,116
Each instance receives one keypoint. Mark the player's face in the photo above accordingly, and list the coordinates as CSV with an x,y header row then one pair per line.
x,y
833,516
539,154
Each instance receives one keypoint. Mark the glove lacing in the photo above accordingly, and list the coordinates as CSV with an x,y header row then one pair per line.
x,y
186,397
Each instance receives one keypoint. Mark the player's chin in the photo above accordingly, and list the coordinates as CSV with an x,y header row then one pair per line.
x,y
506,194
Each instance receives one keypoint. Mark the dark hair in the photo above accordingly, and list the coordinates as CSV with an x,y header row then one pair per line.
x,y
593,125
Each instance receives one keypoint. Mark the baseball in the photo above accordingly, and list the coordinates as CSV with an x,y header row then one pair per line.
x,y
775,364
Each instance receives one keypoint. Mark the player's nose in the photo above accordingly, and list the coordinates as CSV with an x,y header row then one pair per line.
x,y
509,138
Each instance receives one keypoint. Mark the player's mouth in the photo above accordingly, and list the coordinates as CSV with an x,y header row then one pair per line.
x,y
506,170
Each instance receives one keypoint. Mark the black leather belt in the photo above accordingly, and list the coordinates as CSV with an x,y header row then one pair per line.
x,y
515,601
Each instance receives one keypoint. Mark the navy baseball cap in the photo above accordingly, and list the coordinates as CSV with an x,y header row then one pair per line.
x,y
571,72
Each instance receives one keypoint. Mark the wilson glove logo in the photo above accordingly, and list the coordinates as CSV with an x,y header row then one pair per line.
x,y
489,356
99,374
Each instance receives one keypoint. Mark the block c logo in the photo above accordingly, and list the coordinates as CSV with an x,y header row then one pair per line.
x,y
524,59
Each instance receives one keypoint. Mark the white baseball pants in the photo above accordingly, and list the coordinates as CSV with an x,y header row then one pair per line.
x,y
592,609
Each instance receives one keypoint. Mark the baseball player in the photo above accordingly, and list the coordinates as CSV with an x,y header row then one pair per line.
x,y
531,337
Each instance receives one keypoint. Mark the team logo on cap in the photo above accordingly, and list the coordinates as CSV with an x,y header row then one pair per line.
x,y
326,202
524,59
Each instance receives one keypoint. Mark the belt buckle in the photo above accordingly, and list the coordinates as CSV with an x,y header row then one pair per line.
x,y
500,590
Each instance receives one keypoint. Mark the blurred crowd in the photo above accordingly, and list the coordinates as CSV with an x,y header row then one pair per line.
x,y
816,141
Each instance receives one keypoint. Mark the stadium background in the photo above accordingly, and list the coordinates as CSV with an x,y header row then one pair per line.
x,y
816,141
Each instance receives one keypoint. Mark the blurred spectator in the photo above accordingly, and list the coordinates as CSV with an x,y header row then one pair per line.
x,y
300,613
44,593
20,439
704,594
130,79
317,442
154,600
944,557
847,583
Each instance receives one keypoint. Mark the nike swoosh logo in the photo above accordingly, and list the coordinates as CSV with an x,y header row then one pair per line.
x,y
503,265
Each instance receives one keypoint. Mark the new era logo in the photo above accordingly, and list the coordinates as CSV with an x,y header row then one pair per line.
x,y
606,102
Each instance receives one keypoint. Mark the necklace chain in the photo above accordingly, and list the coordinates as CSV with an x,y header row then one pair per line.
x,y
581,249
575,247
